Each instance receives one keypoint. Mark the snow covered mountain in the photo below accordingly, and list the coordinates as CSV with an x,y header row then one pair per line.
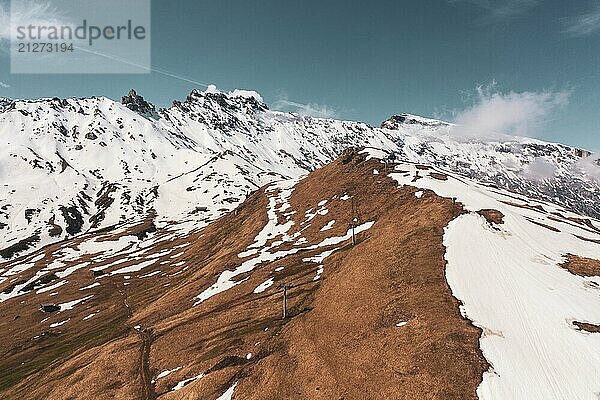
x,y
69,166
407,281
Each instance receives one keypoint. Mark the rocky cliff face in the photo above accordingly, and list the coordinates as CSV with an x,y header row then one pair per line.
x,y
136,103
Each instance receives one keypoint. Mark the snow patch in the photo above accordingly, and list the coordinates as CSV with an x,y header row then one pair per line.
x,y
51,287
57,324
264,286
228,393
328,226
511,286
374,153
319,273
166,373
93,285
184,382
89,316
69,305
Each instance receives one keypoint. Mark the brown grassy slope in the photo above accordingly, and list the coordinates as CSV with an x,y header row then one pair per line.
x,y
348,345
582,266
111,369
341,340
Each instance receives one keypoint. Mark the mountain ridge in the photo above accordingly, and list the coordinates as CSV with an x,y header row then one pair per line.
x,y
74,165
424,281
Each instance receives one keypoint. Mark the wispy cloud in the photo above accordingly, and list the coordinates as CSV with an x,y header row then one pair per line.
x,y
500,9
540,169
150,69
26,12
4,85
583,25
309,109
495,113
590,166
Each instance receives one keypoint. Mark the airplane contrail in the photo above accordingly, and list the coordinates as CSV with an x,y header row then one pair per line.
x,y
151,69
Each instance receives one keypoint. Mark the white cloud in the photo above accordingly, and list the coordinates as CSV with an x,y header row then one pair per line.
x,y
540,169
310,109
590,166
246,93
583,25
4,85
495,113
501,9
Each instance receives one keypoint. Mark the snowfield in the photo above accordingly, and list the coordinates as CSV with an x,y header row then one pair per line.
x,y
511,285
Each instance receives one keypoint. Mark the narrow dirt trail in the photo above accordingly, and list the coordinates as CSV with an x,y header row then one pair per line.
x,y
147,337
147,391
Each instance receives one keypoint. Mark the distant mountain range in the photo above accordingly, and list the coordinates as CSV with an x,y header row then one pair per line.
x,y
70,166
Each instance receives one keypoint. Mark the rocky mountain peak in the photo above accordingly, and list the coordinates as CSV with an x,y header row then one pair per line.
x,y
137,103
5,102
236,100
395,121
95,164
583,153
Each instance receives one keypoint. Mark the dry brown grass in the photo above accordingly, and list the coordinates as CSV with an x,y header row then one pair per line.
x,y
493,217
582,266
340,342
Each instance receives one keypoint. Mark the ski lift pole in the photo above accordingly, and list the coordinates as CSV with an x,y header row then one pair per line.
x,y
354,222
353,226
285,287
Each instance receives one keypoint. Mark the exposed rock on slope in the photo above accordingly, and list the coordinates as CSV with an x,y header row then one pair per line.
x,y
398,121
136,103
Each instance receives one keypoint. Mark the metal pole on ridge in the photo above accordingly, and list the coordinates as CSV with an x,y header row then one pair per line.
x,y
285,287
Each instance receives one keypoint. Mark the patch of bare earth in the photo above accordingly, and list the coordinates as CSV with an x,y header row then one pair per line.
x,y
584,326
538,223
588,239
576,223
439,176
584,222
582,266
379,323
493,217
537,208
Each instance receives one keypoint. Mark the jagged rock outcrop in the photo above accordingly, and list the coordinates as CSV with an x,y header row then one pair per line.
x,y
136,103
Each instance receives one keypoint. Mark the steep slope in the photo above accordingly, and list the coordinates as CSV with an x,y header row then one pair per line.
x,y
174,313
509,278
207,306
71,166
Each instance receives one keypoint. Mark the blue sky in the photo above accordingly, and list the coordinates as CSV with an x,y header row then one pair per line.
x,y
535,60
